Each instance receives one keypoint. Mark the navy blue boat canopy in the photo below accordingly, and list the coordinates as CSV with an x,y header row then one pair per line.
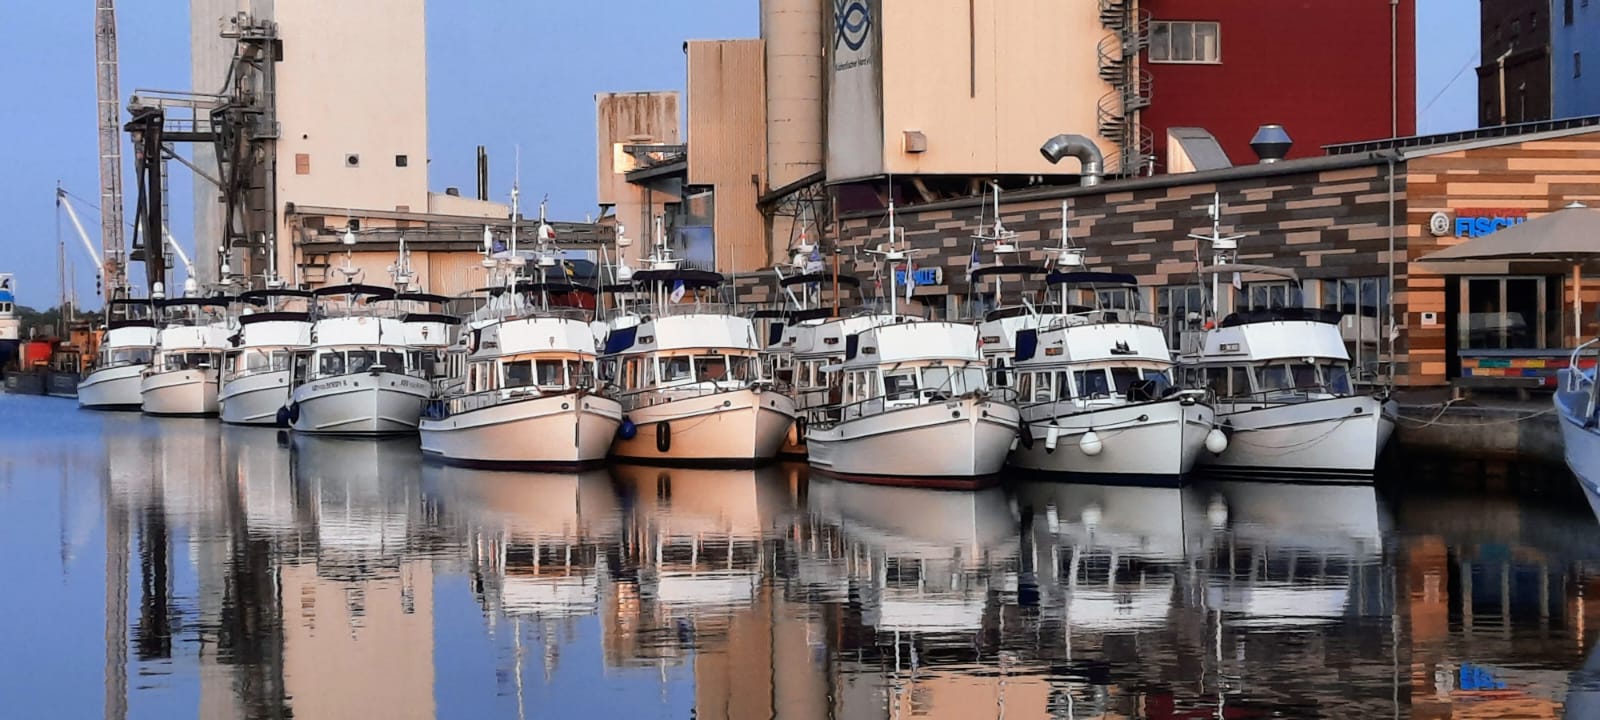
x,y
986,271
376,292
1091,278
260,297
689,278
621,339
824,278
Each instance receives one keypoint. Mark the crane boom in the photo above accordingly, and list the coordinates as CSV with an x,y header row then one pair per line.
x,y
113,265
62,202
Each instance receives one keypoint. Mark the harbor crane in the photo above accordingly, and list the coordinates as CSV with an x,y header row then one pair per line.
x,y
112,258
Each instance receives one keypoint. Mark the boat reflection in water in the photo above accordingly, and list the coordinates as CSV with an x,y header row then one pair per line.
x,y
358,598
283,576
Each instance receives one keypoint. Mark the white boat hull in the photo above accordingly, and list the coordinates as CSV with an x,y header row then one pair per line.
x,y
962,439
179,392
1155,443
1334,437
559,430
113,388
364,404
1580,445
255,399
737,427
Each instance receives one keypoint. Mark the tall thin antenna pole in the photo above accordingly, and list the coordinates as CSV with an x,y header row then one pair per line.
x,y
516,189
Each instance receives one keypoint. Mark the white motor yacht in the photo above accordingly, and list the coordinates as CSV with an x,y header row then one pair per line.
x,y
526,392
1281,378
690,377
1577,402
273,325
129,344
183,379
358,377
1097,396
914,403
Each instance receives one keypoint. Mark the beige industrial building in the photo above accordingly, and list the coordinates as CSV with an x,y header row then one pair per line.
x,y
338,132
838,98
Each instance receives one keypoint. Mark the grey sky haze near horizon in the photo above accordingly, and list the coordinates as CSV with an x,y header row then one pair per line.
x,y
534,68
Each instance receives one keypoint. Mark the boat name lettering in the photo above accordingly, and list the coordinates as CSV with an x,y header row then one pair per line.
x,y
328,385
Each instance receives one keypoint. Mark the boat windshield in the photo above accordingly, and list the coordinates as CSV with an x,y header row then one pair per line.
x,y
954,381
189,361
126,356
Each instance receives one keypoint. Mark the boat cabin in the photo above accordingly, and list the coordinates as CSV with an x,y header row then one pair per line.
x,y
906,365
1113,361
194,334
272,325
1277,354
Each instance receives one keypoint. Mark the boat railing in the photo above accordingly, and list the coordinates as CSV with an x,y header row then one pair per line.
x,y
833,413
1109,315
374,369
484,399
1087,402
704,388
1573,380
653,310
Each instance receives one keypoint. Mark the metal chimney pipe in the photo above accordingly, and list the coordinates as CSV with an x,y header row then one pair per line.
x,y
1271,143
1080,147
483,173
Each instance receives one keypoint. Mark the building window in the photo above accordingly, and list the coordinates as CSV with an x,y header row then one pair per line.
x,y
401,161
1266,295
1509,312
302,164
1185,42
1180,309
1363,302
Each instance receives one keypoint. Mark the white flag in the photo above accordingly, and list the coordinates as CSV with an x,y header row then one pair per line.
x,y
678,290
911,280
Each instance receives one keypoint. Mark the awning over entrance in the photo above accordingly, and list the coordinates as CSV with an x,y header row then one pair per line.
x,y
1571,234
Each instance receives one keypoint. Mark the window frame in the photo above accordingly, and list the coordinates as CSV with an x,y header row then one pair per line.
x,y
1196,56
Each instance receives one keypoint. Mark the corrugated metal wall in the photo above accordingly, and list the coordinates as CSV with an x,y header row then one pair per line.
x,y
728,116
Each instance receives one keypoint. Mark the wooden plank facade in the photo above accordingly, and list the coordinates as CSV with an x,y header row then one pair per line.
x,y
1326,218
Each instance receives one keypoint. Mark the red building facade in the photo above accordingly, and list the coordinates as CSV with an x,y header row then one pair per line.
x,y
1320,68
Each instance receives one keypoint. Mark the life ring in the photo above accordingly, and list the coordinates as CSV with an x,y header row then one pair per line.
x,y
663,436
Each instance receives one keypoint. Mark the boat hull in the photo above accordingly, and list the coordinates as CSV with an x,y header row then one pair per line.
x,y
960,441
255,399
179,392
112,388
62,384
366,404
1334,439
568,430
25,382
1155,443
733,428
1580,443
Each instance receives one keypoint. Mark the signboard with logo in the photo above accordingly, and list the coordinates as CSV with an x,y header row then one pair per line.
x,y
855,97
925,276
1475,222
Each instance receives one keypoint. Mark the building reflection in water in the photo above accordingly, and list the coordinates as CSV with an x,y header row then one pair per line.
x,y
297,577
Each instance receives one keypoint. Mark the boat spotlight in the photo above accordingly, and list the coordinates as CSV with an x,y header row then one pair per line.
x,y
158,291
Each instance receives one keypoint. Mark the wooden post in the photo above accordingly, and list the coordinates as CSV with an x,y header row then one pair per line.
x,y
1577,304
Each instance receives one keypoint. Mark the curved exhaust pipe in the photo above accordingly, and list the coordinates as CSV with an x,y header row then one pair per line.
x,y
1080,147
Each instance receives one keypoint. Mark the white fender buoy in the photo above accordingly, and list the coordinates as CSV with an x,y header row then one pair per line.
x,y
1015,441
1052,436
1216,441
1091,515
1091,444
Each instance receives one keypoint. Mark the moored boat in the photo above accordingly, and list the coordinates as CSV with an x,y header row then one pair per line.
x,y
184,375
357,377
691,379
1577,402
127,348
1098,400
526,395
274,324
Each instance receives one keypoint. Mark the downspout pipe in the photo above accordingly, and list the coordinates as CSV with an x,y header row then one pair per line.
x,y
1080,147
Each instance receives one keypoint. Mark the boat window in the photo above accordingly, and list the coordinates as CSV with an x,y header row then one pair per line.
x,y
257,361
971,379
674,369
1194,377
1239,377
551,373
580,374
1305,376
1124,378
199,360
1337,377
710,369
1040,387
1276,377
518,373
330,363
1025,387
302,364
1092,383
361,360
280,360
900,386
392,361
937,379
1160,378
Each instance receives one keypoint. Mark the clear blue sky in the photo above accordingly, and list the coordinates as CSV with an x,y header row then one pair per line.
x,y
535,67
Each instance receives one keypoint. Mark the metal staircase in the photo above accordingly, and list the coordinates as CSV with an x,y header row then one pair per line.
x,y
1117,112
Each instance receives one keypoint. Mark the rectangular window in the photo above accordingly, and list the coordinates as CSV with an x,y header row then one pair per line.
x,y
550,373
1509,313
1185,42
1239,381
1265,295
302,164
1091,383
518,373
674,369
401,161
1180,309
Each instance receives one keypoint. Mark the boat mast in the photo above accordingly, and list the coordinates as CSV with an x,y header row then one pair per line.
x,y
1223,251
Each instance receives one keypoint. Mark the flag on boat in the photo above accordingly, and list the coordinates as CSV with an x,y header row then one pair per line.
x,y
678,290
814,263
1238,281
911,278
974,262
5,282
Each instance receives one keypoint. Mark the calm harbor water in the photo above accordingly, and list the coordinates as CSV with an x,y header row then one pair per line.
x,y
176,568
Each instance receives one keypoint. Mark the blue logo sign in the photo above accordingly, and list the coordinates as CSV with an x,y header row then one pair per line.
x,y
852,20
1477,222
924,276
